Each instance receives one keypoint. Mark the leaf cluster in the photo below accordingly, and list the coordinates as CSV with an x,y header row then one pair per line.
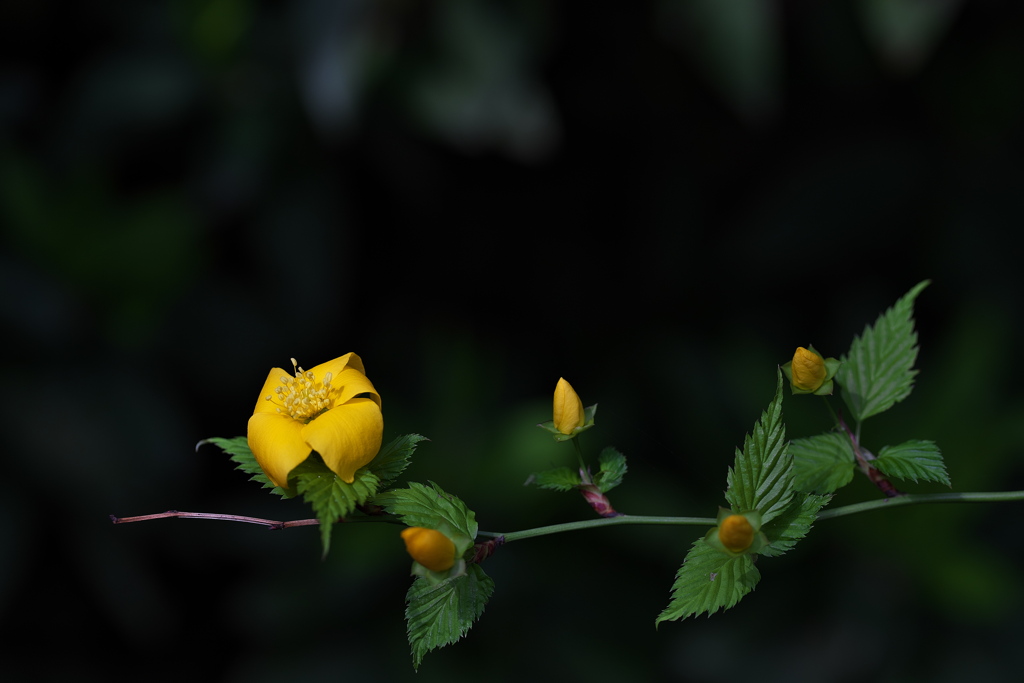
x,y
876,373
438,613
761,480
611,470
787,483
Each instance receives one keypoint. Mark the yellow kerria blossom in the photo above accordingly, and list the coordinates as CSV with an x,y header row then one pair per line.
x,y
568,408
736,533
429,547
808,369
332,409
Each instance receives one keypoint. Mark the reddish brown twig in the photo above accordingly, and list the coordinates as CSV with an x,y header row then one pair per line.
x,y
481,551
864,458
597,500
269,523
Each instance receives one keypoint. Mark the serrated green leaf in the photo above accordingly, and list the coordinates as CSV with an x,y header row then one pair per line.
x,y
427,506
784,531
392,460
441,614
239,453
612,469
915,460
761,478
822,463
330,496
708,581
236,446
879,369
558,479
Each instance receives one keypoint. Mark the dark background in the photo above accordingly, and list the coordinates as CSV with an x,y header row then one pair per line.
x,y
658,201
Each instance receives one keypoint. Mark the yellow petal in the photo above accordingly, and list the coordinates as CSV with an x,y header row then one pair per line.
x,y
352,383
808,369
429,547
276,441
349,360
272,383
347,436
568,408
348,374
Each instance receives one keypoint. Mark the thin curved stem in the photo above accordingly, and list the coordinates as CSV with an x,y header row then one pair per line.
x,y
594,523
218,516
225,517
831,410
584,472
921,498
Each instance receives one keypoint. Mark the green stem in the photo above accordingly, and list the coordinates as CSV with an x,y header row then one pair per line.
x,y
604,521
855,508
584,473
831,410
920,498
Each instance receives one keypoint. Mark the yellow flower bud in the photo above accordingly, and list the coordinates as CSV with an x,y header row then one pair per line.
x,y
736,533
429,547
808,369
568,412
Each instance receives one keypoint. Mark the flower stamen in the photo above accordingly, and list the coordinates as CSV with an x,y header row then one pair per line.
x,y
302,397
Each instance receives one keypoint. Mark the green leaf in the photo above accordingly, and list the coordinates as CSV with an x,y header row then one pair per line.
x,y
914,460
330,496
427,506
879,369
558,479
612,469
438,615
784,531
237,446
392,460
761,478
239,453
709,580
822,463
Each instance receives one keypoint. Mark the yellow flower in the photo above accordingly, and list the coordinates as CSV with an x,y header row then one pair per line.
x,y
736,533
429,547
810,373
808,369
568,412
332,409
